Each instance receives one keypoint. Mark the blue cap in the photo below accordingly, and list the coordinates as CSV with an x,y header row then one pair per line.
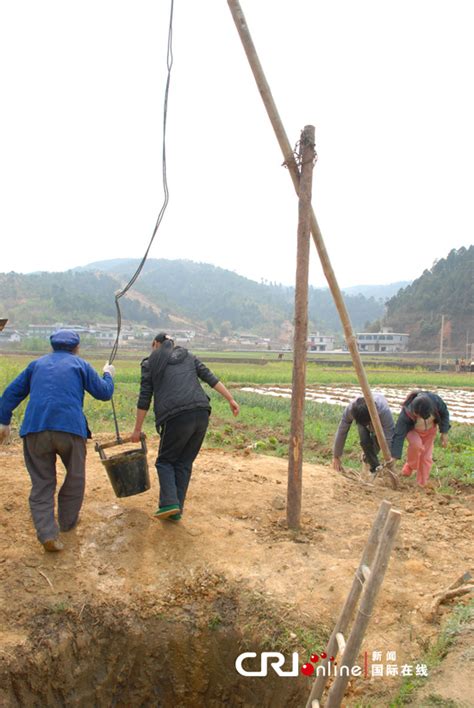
x,y
64,339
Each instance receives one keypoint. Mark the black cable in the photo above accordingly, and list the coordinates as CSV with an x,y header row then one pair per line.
x,y
126,288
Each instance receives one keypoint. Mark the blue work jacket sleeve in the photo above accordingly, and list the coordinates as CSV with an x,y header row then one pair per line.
x,y
100,388
14,394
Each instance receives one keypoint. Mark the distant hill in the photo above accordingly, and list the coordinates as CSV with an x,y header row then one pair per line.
x,y
447,288
208,294
379,292
75,297
184,294
171,293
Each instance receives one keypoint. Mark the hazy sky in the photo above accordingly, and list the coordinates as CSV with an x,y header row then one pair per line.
x,y
388,85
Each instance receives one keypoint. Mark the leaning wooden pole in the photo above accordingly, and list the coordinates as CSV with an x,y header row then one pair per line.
x,y
347,611
300,340
290,162
371,589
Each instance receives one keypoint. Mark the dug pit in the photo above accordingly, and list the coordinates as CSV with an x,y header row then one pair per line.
x,y
108,656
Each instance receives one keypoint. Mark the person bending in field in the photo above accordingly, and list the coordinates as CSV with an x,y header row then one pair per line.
x,y
423,414
171,376
357,411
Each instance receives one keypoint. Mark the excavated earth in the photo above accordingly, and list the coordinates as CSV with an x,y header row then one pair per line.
x,y
137,612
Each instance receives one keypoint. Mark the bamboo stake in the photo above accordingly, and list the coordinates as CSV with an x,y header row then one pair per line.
x,y
289,161
371,589
300,340
347,611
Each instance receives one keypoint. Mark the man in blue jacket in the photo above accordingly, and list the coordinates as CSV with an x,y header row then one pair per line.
x,y
54,424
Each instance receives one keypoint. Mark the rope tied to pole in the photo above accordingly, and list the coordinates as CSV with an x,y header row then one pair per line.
x,y
296,157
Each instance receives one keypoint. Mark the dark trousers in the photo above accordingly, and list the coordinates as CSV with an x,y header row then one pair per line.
x,y
40,451
181,440
370,446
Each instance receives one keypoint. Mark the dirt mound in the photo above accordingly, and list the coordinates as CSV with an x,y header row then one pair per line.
x,y
140,612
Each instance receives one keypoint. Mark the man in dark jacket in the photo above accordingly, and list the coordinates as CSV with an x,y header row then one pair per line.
x,y
54,424
170,375
357,411
422,414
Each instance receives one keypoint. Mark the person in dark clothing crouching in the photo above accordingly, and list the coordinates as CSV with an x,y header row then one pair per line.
x,y
358,411
170,375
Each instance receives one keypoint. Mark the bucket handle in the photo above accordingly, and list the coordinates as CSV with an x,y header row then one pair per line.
x,y
99,448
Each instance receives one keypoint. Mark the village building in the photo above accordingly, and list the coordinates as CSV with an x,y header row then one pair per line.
x,y
321,342
384,341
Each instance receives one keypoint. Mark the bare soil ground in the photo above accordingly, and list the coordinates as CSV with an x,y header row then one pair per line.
x,y
453,681
230,561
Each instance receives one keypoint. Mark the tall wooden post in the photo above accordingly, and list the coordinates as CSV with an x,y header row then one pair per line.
x,y
300,340
441,340
272,111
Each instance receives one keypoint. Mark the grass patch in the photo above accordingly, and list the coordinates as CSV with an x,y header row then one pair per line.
x,y
278,631
214,622
461,615
264,425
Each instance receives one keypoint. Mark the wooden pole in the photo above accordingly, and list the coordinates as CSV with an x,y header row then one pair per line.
x,y
441,339
290,162
300,339
352,599
371,589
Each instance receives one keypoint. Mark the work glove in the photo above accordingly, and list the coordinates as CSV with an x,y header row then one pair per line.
x,y
109,369
4,432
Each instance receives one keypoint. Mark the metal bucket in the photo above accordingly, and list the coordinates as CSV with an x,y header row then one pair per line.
x,y
127,471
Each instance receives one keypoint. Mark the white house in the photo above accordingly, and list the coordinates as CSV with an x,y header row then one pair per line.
x,y
320,342
384,341
10,335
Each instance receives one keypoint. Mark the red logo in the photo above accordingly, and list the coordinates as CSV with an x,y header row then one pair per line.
x,y
308,668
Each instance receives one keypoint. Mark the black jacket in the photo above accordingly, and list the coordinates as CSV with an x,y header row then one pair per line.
x,y
406,421
178,389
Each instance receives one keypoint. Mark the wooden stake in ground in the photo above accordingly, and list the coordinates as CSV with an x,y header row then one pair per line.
x,y
300,340
355,592
364,613
264,90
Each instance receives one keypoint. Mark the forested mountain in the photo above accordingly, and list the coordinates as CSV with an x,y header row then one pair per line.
x,y
74,297
204,293
446,289
213,299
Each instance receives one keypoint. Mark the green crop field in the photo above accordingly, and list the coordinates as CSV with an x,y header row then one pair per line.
x,y
264,422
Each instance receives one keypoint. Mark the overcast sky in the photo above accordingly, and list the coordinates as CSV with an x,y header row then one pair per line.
x,y
388,85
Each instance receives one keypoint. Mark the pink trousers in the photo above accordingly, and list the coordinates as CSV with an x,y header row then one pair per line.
x,y
420,454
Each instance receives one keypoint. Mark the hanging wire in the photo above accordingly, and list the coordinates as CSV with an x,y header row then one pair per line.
x,y
120,293
126,288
